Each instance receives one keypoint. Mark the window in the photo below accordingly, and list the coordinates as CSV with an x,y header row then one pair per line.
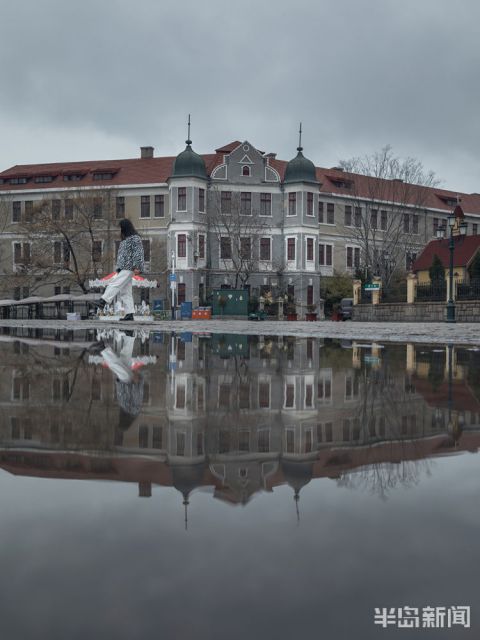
x,y
145,207
263,394
265,204
182,296
181,245
226,202
56,206
265,249
292,204
181,441
16,211
201,246
406,223
103,176
310,254
245,248
383,220
325,255
330,213
68,209
120,207
245,170
61,253
320,211
182,199
244,441
353,257
28,211
289,395
290,249
309,204
225,248
43,179
410,258
474,229
264,441
348,215
358,217
201,200
159,206
415,224
97,208
96,250
310,294
21,253
72,177
146,250
374,218
246,203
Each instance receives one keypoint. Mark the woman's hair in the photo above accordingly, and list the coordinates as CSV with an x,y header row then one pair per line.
x,y
127,229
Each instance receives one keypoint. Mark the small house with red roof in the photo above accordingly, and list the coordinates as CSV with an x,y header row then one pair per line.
x,y
465,250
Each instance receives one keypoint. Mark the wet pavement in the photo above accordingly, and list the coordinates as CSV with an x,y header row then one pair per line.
x,y
418,332
236,485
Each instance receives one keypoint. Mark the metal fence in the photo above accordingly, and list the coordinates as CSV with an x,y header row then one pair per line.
x,y
432,292
398,294
468,290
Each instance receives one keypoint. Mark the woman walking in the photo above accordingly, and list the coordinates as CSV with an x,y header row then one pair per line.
x,y
130,262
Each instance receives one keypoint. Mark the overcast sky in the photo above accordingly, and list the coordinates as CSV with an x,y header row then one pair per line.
x,y
96,80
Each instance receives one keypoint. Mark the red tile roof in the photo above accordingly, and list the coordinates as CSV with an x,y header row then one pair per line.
x,y
158,170
465,249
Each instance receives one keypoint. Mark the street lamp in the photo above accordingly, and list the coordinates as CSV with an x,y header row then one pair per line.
x,y
441,233
173,284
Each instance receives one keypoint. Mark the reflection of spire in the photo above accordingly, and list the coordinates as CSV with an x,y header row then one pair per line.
x,y
185,504
296,497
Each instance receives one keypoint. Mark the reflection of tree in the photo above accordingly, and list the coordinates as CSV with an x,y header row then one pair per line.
x,y
380,478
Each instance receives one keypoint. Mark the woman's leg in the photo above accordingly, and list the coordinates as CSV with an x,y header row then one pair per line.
x,y
126,296
115,288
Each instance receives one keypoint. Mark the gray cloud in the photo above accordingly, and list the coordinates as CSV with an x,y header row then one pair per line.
x,y
97,80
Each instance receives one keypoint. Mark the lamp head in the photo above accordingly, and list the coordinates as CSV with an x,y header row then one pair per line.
x,y
451,221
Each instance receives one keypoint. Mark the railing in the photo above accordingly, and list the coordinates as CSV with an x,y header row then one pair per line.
x,y
468,290
366,297
431,292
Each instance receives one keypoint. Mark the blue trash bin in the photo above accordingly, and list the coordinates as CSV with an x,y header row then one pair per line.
x,y
185,310
157,305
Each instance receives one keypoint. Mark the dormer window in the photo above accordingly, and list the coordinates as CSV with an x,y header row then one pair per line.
x,y
44,178
103,176
18,180
246,170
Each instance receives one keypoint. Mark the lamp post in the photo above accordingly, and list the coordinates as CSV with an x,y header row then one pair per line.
x,y
173,284
441,232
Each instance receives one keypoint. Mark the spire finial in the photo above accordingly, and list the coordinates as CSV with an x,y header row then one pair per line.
x,y
185,504
296,497
188,141
300,148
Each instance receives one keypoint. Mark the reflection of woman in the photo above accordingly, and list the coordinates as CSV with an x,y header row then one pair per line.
x,y
130,261
129,385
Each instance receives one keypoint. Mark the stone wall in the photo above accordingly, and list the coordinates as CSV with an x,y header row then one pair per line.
x,y
466,311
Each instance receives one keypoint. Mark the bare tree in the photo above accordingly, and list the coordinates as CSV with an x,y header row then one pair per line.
x,y
237,230
66,241
389,195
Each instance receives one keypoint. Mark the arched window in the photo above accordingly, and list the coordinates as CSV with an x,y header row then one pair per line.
x,y
245,170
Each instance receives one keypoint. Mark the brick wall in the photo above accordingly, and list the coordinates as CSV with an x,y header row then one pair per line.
x,y
467,311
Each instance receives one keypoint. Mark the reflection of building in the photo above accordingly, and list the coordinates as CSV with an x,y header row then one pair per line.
x,y
238,415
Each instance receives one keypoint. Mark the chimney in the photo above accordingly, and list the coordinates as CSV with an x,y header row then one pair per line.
x,y
146,152
271,155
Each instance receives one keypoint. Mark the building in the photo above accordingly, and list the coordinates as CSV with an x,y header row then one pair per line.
x,y
237,217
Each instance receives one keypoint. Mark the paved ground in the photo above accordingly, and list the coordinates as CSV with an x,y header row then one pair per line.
x,y
434,333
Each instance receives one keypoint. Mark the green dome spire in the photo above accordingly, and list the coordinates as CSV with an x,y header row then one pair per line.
x,y
300,169
189,164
